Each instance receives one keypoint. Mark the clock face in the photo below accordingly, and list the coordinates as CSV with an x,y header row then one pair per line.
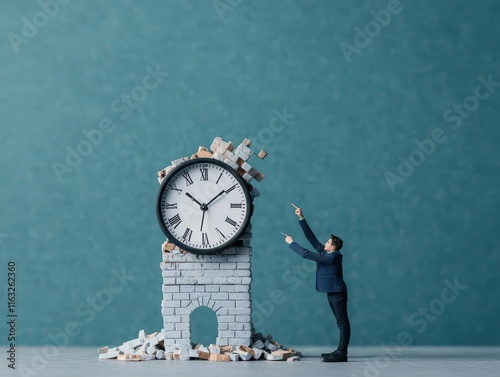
x,y
203,206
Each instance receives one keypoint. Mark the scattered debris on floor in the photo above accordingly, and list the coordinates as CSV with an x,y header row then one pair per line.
x,y
152,347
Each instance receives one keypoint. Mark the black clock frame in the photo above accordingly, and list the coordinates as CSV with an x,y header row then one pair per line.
x,y
233,240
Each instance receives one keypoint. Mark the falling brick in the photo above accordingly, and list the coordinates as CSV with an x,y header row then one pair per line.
x,y
168,246
245,166
262,154
203,355
141,336
258,344
234,356
214,349
283,353
259,177
179,161
153,335
181,352
226,349
129,357
255,193
245,352
257,353
271,345
217,156
243,152
162,174
247,177
219,357
215,144
225,146
230,163
231,156
204,154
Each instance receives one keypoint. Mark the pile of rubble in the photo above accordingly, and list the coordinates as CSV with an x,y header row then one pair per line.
x,y
152,347
225,152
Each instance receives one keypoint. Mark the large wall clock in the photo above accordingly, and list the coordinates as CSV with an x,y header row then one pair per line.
x,y
203,206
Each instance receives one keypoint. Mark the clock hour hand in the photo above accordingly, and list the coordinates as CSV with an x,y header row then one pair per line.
x,y
219,194
194,200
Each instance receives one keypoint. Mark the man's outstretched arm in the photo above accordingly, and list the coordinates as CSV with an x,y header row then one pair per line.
x,y
308,232
322,258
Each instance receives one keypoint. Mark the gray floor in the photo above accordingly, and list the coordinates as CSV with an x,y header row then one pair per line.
x,y
363,362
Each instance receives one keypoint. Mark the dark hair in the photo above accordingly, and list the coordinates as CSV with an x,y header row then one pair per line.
x,y
337,242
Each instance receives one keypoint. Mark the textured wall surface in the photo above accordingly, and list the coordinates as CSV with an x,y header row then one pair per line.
x,y
219,282
380,119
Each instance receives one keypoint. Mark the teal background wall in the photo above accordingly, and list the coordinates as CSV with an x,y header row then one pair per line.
x,y
231,69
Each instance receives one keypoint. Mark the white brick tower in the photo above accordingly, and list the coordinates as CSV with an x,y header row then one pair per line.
x,y
220,282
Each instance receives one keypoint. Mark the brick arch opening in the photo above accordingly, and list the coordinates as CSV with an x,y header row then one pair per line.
x,y
203,326
219,282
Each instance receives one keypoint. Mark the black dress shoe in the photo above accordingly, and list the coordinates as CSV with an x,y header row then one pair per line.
x,y
335,358
327,354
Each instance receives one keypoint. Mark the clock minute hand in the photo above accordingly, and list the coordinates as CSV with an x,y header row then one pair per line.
x,y
202,220
216,196
193,199
204,207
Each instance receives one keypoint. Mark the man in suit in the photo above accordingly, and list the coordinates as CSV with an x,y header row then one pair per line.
x,y
329,279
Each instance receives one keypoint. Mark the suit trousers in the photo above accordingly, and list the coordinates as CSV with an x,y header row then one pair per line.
x,y
338,304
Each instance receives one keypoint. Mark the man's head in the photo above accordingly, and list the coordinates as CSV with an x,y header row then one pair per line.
x,y
333,243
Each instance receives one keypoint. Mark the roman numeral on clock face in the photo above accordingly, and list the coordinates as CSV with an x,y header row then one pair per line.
x,y
204,239
230,221
187,235
204,174
175,221
236,205
170,206
218,179
189,180
230,189
174,187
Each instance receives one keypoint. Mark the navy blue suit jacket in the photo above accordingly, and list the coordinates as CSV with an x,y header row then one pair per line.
x,y
329,275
